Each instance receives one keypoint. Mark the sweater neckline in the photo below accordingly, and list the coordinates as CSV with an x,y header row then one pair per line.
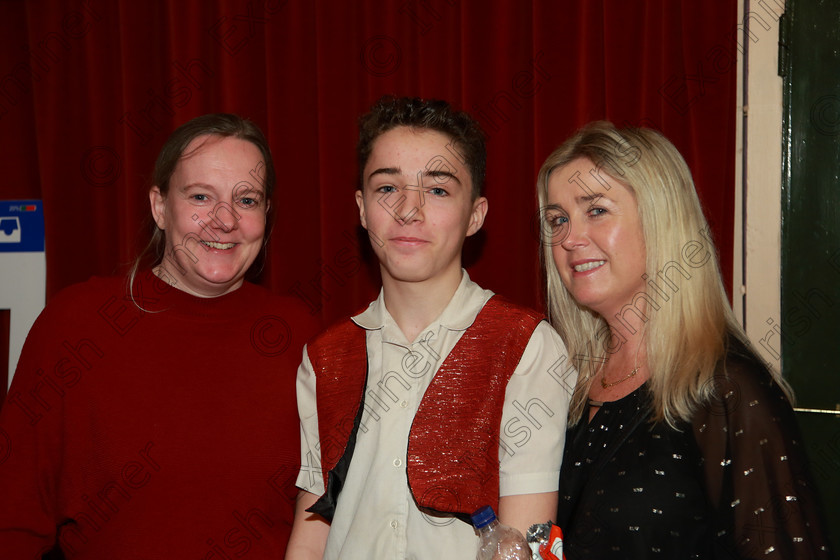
x,y
153,295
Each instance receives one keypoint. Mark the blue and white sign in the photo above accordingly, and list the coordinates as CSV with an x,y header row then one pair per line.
x,y
21,226
23,270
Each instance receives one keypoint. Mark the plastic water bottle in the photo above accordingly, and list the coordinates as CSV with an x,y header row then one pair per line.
x,y
497,541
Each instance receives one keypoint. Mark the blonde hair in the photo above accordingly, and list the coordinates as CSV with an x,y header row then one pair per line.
x,y
687,322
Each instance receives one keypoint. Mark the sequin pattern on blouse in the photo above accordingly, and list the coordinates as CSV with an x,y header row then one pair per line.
x,y
732,484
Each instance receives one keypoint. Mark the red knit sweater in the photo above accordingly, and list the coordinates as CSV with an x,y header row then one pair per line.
x,y
165,434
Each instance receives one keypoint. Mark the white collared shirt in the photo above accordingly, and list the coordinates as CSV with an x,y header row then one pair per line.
x,y
376,516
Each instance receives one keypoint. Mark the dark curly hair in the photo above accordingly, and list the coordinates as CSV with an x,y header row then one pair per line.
x,y
391,112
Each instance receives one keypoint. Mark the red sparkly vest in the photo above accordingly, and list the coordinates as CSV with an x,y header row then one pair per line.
x,y
453,448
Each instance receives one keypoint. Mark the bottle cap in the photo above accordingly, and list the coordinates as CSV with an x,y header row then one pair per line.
x,y
483,517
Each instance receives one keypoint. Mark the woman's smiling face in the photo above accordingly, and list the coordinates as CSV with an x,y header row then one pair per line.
x,y
599,247
213,215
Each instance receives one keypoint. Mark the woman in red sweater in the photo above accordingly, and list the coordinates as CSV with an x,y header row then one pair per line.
x,y
154,416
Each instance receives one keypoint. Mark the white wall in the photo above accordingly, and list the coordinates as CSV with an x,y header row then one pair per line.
x,y
759,177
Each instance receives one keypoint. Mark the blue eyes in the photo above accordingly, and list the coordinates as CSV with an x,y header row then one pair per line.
x,y
434,191
244,202
559,219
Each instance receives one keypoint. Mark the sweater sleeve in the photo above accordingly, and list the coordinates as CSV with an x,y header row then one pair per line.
x,y
756,471
31,425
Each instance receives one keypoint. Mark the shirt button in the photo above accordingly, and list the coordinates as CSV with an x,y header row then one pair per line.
x,y
394,524
397,463
404,404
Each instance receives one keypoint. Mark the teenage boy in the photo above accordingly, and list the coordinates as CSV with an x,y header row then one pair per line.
x,y
439,398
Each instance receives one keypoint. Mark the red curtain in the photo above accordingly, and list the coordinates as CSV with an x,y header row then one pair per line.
x,y
90,89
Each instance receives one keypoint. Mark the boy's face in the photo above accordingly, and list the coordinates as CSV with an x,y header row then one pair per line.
x,y
416,204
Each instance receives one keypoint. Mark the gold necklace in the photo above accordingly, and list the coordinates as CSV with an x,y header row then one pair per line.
x,y
632,373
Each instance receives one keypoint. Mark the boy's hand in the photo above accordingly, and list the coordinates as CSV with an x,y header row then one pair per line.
x,y
524,510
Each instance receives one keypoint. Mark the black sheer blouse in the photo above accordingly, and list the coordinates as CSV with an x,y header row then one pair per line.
x,y
732,484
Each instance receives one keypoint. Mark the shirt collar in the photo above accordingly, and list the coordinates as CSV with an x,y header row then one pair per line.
x,y
459,314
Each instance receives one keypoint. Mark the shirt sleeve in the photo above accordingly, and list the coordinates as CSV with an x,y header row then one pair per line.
x,y
310,478
756,470
533,426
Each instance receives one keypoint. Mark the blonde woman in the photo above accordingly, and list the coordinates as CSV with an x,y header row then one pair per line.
x,y
682,443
